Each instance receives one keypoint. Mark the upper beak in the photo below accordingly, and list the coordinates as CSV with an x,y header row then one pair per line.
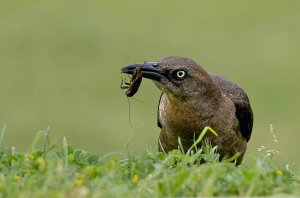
x,y
148,69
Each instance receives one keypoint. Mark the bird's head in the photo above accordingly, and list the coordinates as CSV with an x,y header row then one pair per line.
x,y
178,77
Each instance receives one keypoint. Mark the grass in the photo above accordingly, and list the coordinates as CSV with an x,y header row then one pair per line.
x,y
60,65
46,170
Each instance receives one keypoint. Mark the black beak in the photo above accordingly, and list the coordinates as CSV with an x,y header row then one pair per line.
x,y
148,69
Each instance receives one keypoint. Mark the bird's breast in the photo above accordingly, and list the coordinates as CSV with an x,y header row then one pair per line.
x,y
180,119
183,119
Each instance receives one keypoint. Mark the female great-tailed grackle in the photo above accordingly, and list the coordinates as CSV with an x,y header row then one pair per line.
x,y
192,99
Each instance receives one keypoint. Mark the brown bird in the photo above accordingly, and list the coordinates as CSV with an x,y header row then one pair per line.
x,y
192,99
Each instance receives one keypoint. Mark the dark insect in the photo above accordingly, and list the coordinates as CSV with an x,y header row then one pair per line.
x,y
134,84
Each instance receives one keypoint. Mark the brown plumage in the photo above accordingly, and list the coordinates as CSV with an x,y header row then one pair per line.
x,y
193,99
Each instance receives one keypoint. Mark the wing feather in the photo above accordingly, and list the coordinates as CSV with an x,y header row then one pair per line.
x,y
240,99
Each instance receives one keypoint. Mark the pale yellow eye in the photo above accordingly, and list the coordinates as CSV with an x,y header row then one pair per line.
x,y
180,74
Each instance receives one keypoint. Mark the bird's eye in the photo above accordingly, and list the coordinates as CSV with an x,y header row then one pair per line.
x,y
180,74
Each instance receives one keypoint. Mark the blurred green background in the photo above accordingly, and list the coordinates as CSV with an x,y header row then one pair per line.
x,y
60,66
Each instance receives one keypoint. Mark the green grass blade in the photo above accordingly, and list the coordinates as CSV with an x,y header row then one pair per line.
x,y
180,145
233,158
200,138
65,150
45,141
38,136
2,146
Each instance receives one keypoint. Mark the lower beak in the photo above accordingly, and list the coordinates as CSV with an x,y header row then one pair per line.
x,y
148,69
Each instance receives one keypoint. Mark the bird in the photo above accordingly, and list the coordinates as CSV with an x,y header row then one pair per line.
x,y
193,99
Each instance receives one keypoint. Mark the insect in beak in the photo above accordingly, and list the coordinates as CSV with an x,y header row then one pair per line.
x,y
134,84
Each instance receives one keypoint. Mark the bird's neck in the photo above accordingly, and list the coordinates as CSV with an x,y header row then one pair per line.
x,y
199,108
183,116
201,105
